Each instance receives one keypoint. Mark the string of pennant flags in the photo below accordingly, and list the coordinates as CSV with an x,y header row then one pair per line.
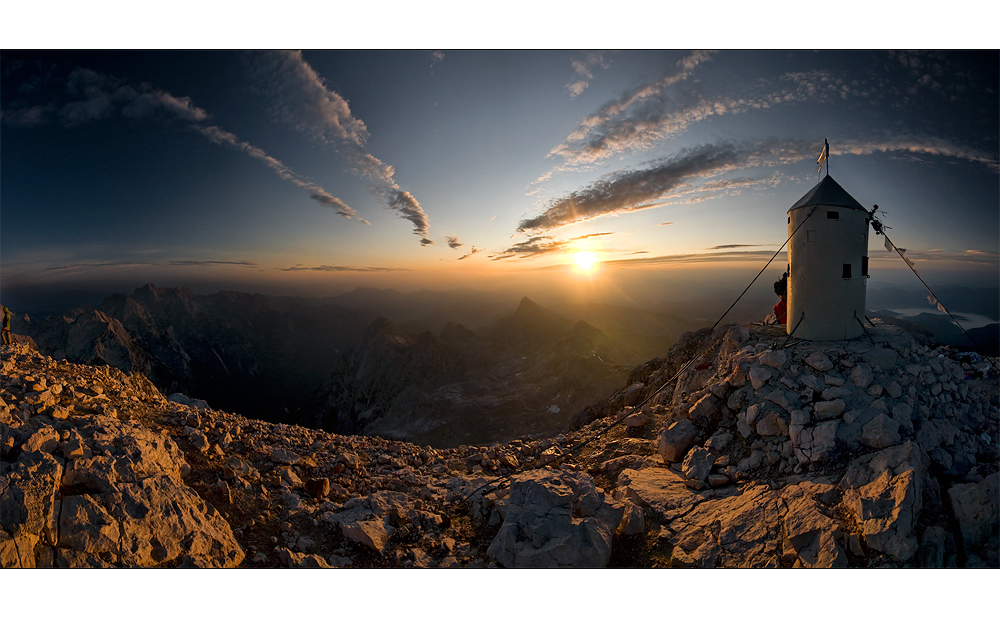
x,y
889,246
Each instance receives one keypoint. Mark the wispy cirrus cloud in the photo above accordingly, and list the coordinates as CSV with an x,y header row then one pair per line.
x,y
96,96
541,245
327,268
583,71
696,258
717,247
688,175
632,121
211,263
299,97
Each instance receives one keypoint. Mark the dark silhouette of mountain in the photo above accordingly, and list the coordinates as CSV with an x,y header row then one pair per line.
x,y
238,351
528,373
318,364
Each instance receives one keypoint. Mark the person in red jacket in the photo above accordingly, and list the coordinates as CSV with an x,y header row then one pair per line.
x,y
781,307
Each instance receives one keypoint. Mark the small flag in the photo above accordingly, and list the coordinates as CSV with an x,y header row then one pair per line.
x,y
941,308
823,155
888,245
931,299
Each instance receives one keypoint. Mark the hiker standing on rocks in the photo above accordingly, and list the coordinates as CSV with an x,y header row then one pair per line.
x,y
6,324
781,289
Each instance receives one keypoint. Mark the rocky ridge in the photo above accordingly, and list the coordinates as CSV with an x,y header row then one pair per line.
x,y
873,452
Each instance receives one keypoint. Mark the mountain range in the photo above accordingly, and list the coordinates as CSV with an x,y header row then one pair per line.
x,y
349,367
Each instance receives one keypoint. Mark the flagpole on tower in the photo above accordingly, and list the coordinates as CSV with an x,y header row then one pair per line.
x,y
824,156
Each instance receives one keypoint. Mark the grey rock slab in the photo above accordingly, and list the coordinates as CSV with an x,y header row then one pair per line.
x,y
659,489
819,361
556,519
373,534
976,507
759,376
698,463
880,432
883,491
675,439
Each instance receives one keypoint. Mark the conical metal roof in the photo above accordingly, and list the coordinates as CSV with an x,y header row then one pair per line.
x,y
828,193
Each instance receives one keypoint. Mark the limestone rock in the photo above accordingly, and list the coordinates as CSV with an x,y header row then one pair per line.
x,y
884,492
773,358
707,410
698,463
759,376
811,532
819,361
772,425
372,533
675,440
556,519
880,432
829,409
976,507
45,440
297,560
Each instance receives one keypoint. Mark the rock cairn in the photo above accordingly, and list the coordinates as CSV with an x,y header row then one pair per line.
x,y
875,452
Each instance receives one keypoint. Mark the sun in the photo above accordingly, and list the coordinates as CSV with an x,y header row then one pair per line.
x,y
585,261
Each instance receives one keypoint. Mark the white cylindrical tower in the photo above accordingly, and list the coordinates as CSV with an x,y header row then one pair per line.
x,y
828,264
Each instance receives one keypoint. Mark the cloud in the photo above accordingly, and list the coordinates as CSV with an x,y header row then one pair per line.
x,y
471,253
353,269
735,246
300,97
436,56
630,190
541,245
583,73
678,175
634,120
220,136
453,242
26,117
969,256
106,95
210,263
694,258
667,223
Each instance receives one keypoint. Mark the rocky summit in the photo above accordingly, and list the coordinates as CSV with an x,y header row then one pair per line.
x,y
881,451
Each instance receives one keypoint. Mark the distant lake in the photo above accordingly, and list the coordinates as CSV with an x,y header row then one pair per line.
x,y
968,320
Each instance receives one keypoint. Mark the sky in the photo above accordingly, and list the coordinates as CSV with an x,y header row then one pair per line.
x,y
316,171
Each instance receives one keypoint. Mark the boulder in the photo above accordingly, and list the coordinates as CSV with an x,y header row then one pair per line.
x,y
773,358
829,409
698,463
675,440
707,410
556,519
373,534
772,425
819,361
883,491
976,507
880,432
809,530
759,376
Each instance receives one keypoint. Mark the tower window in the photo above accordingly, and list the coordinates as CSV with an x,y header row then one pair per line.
x,y
864,266
832,214
847,271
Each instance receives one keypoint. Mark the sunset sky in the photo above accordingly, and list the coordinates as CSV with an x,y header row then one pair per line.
x,y
326,169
